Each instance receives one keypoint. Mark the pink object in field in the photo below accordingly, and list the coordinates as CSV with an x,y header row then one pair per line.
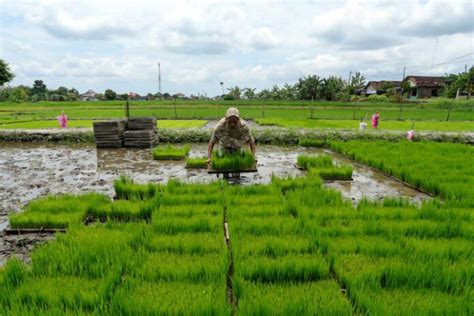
x,y
375,120
410,135
62,119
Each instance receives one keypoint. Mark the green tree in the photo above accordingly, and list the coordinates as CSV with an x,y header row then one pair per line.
x,y
357,82
331,87
309,87
249,93
110,94
6,75
39,90
18,95
235,92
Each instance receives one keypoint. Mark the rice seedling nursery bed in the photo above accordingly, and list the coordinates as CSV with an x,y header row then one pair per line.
x,y
169,152
296,247
241,161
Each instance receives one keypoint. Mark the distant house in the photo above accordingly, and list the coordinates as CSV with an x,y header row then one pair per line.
x,y
377,87
89,95
424,86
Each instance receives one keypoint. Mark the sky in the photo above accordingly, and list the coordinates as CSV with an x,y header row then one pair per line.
x,y
118,44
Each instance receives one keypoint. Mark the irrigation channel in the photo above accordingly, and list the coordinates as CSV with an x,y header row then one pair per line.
x,y
31,170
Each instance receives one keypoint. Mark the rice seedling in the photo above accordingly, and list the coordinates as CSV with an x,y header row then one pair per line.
x,y
272,246
289,268
60,211
405,301
343,172
124,210
196,163
239,161
170,298
308,142
169,152
195,224
185,243
310,298
194,268
305,161
127,189
443,169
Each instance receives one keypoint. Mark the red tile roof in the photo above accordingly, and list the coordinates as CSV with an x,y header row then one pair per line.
x,y
426,81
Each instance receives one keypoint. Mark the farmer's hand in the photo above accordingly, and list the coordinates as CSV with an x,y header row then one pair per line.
x,y
209,159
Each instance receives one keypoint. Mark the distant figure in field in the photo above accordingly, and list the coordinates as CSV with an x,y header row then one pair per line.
x,y
231,132
410,135
62,119
375,120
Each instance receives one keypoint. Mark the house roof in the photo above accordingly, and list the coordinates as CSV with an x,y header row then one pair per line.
x,y
88,93
426,81
377,85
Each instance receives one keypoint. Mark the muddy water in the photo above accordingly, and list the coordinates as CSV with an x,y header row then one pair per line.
x,y
29,171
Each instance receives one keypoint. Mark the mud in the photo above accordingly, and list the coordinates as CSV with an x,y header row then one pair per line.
x,y
31,170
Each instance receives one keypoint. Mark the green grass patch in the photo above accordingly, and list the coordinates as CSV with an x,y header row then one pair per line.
x,y
307,142
54,124
169,152
196,163
305,161
242,160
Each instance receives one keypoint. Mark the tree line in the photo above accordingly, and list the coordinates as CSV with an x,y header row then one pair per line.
x,y
312,87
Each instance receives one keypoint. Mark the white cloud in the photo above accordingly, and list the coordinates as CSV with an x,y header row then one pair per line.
x,y
117,44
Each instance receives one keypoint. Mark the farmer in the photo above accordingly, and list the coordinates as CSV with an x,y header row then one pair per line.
x,y
231,132
62,119
375,120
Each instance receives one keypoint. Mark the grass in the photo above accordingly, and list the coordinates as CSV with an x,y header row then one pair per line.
x,y
343,172
56,211
305,161
443,169
294,244
53,124
169,152
196,163
425,125
239,161
306,142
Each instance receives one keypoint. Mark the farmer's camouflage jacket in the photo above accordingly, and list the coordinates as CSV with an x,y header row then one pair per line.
x,y
231,138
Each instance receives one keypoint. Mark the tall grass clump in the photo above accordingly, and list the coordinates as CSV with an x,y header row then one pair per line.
x,y
243,160
196,163
169,152
127,189
57,211
305,161
309,142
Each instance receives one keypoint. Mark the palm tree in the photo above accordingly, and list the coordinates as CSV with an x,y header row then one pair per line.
x,y
249,93
236,92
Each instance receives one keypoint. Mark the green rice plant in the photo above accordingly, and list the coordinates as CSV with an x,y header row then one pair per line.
x,y
305,161
94,251
405,301
124,210
443,169
238,161
169,152
289,268
177,225
245,245
310,298
214,200
138,297
189,210
60,211
343,172
66,292
182,267
127,189
196,163
184,243
308,142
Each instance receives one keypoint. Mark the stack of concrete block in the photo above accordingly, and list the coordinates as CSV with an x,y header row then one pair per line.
x,y
142,132
109,134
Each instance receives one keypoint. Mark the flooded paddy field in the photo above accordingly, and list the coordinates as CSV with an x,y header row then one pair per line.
x,y
29,171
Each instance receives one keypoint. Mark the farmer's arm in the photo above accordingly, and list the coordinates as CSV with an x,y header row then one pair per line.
x,y
210,147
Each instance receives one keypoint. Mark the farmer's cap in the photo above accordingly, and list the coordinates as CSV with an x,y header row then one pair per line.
x,y
232,112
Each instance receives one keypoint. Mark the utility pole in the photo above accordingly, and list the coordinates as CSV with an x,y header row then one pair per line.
x,y
404,70
350,76
159,78
222,86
